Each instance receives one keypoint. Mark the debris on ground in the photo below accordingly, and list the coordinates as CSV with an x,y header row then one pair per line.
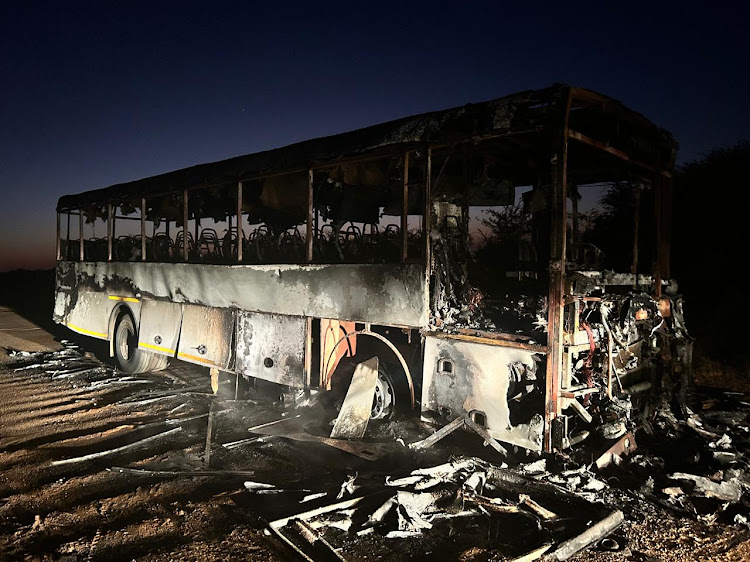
x,y
352,420
443,497
98,461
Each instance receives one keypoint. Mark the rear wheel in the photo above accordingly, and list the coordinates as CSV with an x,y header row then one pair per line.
x,y
158,362
129,357
384,400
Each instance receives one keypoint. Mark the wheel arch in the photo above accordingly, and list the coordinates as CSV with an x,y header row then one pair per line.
x,y
389,344
120,309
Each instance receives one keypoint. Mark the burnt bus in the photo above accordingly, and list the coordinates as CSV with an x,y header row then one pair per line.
x,y
505,260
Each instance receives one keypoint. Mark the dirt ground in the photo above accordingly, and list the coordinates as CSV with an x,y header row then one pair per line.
x,y
69,422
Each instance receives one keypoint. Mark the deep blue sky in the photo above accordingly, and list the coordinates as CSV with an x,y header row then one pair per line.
x,y
96,93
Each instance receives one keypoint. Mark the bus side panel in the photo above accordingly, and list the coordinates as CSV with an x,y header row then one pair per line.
x,y
271,347
384,294
462,377
90,313
64,281
159,329
87,307
206,336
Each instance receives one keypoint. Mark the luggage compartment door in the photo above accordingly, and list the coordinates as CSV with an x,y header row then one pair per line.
x,y
159,328
206,336
271,347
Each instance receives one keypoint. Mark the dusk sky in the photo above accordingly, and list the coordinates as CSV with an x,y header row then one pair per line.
x,y
97,93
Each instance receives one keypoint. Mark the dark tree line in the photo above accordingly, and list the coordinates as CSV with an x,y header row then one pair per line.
x,y
710,243
710,257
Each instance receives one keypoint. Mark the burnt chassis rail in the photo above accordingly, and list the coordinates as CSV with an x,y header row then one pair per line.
x,y
557,117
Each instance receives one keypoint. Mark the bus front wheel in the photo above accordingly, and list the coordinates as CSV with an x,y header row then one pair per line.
x,y
131,359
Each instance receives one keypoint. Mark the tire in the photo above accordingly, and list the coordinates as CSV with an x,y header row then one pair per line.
x,y
386,397
391,398
158,362
130,359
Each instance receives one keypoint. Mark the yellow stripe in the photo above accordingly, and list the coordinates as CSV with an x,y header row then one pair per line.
x,y
195,358
156,347
126,299
85,331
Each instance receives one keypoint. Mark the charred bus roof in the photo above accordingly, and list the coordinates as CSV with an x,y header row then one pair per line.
x,y
530,119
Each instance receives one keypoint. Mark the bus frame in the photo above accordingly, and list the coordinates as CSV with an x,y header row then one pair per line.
x,y
296,321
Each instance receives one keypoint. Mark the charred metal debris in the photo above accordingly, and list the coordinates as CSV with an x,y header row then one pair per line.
x,y
513,507
408,489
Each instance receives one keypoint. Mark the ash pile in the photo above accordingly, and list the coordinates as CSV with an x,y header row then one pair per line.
x,y
696,464
447,510
399,490
514,505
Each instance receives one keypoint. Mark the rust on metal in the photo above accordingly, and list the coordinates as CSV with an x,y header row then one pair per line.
x,y
578,136
636,228
330,352
494,339
663,228
556,297
308,351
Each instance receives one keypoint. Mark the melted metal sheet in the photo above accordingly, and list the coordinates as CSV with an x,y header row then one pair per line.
x,y
390,294
351,422
477,381
271,347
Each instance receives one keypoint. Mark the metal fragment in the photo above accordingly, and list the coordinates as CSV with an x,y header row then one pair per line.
x,y
354,416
